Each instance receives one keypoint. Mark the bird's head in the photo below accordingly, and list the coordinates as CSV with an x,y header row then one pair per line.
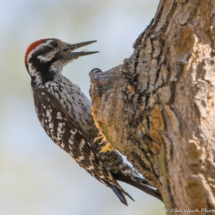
x,y
45,59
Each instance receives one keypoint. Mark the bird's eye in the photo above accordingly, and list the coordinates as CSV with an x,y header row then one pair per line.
x,y
54,44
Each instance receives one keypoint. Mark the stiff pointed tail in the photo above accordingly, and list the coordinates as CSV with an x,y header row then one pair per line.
x,y
139,183
120,193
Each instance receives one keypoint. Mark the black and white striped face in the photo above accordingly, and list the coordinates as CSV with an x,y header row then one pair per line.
x,y
44,59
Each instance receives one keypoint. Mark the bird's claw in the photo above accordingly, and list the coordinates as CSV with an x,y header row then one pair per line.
x,y
95,70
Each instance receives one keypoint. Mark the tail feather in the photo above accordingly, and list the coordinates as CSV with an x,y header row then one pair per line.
x,y
129,196
119,193
138,183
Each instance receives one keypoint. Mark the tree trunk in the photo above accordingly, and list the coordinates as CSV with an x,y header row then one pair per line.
x,y
158,107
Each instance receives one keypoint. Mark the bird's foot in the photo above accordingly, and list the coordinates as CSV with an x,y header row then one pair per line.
x,y
95,70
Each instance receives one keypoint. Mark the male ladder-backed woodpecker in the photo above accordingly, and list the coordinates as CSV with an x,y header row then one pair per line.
x,y
65,114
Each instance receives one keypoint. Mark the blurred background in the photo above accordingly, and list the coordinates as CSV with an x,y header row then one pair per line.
x,y
36,176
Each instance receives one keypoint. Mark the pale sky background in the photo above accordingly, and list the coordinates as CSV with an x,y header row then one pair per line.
x,y
36,176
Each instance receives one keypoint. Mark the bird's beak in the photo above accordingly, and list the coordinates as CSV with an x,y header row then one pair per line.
x,y
70,47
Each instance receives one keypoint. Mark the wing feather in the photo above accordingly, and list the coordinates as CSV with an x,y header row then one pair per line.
x,y
67,134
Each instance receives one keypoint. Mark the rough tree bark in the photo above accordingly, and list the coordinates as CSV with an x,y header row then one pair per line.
x,y
158,107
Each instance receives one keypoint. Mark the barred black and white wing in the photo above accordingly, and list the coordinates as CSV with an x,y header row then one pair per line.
x,y
67,134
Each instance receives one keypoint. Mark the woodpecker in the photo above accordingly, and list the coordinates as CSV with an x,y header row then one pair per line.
x,y
64,112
